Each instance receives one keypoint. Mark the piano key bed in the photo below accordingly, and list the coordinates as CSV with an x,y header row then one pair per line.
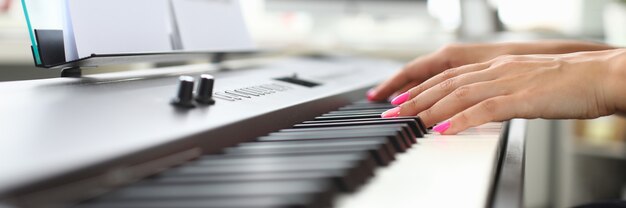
x,y
308,165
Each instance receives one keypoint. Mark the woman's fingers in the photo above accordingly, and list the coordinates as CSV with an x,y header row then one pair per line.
x,y
465,97
407,87
438,79
432,95
384,90
433,64
415,72
494,109
497,66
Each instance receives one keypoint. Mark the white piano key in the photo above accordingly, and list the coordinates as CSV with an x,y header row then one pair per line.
x,y
439,171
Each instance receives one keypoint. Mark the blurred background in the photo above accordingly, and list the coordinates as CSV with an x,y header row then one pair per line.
x,y
568,162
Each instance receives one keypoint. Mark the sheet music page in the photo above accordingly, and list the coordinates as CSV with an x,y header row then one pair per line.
x,y
211,25
69,41
120,26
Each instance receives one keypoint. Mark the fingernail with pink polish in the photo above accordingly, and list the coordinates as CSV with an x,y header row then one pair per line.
x,y
400,99
371,94
391,113
442,127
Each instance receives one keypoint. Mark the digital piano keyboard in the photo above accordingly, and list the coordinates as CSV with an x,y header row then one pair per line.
x,y
291,132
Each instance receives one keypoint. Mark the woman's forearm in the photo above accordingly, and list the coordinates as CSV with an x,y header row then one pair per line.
x,y
468,53
553,47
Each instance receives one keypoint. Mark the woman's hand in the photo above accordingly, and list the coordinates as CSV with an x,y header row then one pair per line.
x,y
4,6
455,55
423,68
576,85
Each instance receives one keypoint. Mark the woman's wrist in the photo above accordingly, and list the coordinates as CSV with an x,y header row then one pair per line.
x,y
615,85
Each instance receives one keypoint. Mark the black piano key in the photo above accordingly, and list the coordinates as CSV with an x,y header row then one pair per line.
x,y
364,101
352,112
319,189
282,201
329,131
411,122
395,137
238,160
352,142
422,125
249,177
381,126
359,167
402,128
339,117
366,107
415,119
363,162
340,177
356,106
417,122
371,105
379,148
260,168
375,115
